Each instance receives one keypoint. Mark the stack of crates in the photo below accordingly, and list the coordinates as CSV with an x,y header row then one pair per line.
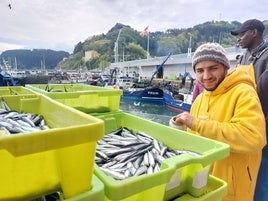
x,y
60,158
179,175
85,98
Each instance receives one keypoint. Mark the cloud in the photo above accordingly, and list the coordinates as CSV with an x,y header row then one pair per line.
x,y
61,24
8,46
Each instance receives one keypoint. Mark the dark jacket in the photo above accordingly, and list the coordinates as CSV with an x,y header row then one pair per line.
x,y
260,62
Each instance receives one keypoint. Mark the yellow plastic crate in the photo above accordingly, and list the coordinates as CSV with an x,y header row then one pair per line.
x,y
181,174
15,90
86,98
60,158
215,191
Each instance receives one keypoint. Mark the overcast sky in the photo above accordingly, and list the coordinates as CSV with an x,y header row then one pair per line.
x,y
61,24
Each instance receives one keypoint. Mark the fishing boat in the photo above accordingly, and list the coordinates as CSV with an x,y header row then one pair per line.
x,y
158,95
149,94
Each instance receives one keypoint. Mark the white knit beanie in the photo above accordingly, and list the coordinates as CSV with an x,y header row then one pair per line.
x,y
210,52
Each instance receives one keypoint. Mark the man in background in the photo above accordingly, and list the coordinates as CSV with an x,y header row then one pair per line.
x,y
250,37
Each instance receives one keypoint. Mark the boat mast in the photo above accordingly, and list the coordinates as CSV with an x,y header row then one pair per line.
x,y
190,47
15,64
116,48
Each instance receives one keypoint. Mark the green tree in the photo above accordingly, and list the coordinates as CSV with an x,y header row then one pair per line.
x,y
136,50
78,48
168,44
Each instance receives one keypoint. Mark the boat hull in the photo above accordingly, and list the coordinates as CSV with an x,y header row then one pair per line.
x,y
174,105
152,94
156,95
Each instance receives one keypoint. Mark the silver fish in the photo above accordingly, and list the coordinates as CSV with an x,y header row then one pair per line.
x,y
112,173
128,154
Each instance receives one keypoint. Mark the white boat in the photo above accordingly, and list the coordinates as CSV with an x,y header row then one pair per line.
x,y
124,82
17,73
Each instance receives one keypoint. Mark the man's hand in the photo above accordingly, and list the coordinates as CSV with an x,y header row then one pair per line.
x,y
184,118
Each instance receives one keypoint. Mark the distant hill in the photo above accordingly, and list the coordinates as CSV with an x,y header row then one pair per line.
x,y
32,59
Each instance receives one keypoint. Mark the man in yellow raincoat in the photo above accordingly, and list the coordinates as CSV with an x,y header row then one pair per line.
x,y
228,110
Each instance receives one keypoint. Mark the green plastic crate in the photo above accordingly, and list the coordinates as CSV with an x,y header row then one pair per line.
x,y
60,158
180,174
94,194
86,98
215,191
15,90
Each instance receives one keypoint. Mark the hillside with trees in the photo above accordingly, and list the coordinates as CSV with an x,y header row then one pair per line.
x,y
132,46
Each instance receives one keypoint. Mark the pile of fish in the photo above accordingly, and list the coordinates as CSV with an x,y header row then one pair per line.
x,y
13,122
123,154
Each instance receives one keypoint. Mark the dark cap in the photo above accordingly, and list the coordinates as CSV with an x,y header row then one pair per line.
x,y
249,25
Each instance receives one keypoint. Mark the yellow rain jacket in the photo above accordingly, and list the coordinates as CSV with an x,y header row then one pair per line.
x,y
232,114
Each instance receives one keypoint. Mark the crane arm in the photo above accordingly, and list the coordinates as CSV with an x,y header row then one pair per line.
x,y
159,68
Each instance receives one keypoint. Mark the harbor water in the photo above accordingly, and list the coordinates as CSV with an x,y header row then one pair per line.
x,y
147,110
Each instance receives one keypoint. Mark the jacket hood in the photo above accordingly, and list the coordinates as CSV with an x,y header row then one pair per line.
x,y
233,78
